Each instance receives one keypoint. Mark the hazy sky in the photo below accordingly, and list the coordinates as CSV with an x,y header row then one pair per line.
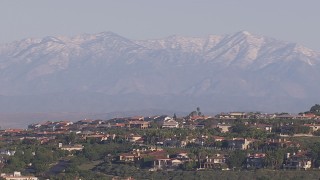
x,y
290,20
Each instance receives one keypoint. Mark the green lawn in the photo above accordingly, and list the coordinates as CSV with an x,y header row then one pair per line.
x,y
89,165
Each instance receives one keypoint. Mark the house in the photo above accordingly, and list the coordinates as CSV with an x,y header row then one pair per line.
x,y
3,160
264,127
134,138
13,131
34,126
173,143
170,123
239,143
199,141
166,163
183,156
255,161
238,115
161,163
224,116
314,127
76,147
64,123
7,152
310,116
232,115
154,148
117,125
160,159
17,176
138,124
175,162
214,162
100,137
136,118
218,138
97,122
297,160
85,122
224,128
130,157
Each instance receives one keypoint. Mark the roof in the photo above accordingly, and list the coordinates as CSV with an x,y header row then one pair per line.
x,y
138,122
128,155
218,137
118,125
13,130
309,115
257,155
157,154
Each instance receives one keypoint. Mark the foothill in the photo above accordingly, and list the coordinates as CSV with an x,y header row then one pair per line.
x,y
232,145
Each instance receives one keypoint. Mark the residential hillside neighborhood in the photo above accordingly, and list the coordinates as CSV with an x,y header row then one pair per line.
x,y
195,146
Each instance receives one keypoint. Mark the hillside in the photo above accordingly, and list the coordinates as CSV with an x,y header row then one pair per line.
x,y
106,72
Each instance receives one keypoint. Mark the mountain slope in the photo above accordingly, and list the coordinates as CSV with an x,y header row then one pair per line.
x,y
105,72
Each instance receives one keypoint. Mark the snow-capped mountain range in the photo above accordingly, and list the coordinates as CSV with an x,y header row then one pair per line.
x,y
106,72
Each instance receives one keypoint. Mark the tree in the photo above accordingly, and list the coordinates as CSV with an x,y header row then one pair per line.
x,y
15,164
239,128
193,113
72,168
274,159
316,133
71,138
198,111
40,167
301,129
315,109
174,116
190,165
237,158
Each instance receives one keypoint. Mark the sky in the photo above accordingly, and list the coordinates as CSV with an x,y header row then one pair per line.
x,y
288,20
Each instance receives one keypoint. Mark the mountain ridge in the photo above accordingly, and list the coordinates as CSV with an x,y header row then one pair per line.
x,y
167,71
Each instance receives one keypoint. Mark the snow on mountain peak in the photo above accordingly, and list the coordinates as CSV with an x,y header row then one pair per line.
x,y
241,49
108,34
246,33
243,33
51,39
208,70
306,51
